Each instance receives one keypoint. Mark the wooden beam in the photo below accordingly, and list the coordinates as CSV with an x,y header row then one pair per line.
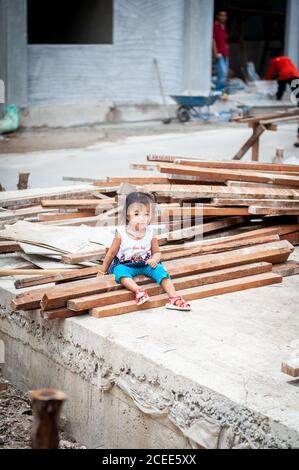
x,y
213,174
289,268
219,247
202,211
75,258
251,142
199,292
63,276
46,405
58,296
123,295
23,181
107,203
29,272
31,299
291,367
207,191
199,229
137,179
9,247
236,165
271,116
60,314
66,216
259,210
217,201
292,238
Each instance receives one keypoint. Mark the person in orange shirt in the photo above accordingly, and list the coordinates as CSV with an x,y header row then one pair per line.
x,y
285,72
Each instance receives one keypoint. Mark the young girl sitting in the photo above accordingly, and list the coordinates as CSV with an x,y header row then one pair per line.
x,y
135,251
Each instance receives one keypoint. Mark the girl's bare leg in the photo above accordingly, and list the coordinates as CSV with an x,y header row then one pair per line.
x,y
130,284
168,286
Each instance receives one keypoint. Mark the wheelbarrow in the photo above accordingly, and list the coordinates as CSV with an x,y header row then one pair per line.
x,y
190,106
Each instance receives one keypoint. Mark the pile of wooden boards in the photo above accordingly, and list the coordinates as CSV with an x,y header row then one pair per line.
x,y
244,217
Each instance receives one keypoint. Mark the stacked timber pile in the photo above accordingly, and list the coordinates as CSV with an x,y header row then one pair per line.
x,y
245,214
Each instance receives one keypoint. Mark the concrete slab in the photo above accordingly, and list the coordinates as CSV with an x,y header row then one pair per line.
x,y
159,378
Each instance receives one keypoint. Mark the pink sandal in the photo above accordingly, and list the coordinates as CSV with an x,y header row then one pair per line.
x,y
141,296
178,303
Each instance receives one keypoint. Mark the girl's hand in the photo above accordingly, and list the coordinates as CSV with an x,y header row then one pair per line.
x,y
152,263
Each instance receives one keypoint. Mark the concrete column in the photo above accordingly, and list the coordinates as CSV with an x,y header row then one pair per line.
x,y
13,50
292,31
197,60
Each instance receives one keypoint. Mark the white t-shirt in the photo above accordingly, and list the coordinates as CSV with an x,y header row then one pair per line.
x,y
135,251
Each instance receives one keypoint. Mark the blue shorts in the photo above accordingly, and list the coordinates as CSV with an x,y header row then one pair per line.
x,y
158,273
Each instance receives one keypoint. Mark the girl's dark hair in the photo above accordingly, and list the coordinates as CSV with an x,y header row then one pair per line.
x,y
139,198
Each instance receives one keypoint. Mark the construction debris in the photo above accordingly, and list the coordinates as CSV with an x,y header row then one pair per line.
x,y
222,227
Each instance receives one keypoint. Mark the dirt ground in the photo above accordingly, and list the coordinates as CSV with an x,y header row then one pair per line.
x,y
16,420
36,139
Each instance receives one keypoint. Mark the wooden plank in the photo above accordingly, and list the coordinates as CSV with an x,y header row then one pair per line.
x,y
193,293
123,295
267,122
289,268
251,142
9,247
55,297
66,216
269,126
292,238
218,247
143,166
75,258
82,179
59,314
64,276
291,367
260,210
202,210
161,158
215,175
32,298
270,116
206,191
109,203
256,143
23,213
137,179
269,252
246,235
199,229
237,165
29,272
247,184
34,196
255,202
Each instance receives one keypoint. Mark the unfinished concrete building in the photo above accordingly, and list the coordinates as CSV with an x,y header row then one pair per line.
x,y
94,61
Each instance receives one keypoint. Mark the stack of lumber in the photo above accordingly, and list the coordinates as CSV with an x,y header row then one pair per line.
x,y
211,272
222,227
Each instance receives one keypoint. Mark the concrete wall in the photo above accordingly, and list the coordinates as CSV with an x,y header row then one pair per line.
x,y
13,50
126,391
292,31
197,61
123,73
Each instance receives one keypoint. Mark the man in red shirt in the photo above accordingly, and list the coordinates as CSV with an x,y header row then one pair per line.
x,y
285,72
220,49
